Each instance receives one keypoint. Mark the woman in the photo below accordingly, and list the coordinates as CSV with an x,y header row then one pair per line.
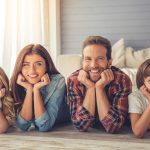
x,y
6,103
38,89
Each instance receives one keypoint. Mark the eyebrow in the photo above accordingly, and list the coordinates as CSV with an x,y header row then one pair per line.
x,y
34,62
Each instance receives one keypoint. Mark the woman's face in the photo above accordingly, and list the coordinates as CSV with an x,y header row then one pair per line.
x,y
147,83
33,68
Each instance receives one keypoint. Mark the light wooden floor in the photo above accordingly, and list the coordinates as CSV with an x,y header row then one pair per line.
x,y
65,137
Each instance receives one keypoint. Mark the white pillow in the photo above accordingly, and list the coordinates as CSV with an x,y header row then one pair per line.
x,y
118,54
135,58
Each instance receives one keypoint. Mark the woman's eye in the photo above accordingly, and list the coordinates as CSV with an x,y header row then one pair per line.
x,y
25,65
38,64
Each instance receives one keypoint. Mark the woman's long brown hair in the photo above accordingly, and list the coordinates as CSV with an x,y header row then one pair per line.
x,y
17,90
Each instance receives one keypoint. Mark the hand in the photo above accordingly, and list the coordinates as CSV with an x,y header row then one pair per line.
x,y
45,80
22,81
106,77
2,92
145,92
83,78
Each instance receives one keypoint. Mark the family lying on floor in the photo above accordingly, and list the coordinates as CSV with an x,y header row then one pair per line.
x,y
97,94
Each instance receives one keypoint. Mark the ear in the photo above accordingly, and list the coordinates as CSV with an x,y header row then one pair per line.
x,y
109,63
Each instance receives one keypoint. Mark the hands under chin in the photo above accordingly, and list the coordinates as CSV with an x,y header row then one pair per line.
x,y
106,77
83,77
45,80
22,81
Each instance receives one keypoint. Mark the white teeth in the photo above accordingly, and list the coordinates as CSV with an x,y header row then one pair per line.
x,y
94,71
33,76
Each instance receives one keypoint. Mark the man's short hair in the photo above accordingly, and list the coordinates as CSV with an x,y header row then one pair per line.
x,y
98,40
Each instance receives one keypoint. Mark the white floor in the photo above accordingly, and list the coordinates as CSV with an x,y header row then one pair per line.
x,y
68,138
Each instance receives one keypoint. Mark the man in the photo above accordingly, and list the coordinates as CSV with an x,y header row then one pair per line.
x,y
98,93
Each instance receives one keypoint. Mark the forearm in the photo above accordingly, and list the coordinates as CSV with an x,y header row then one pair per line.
x,y
89,101
142,124
103,104
3,123
39,108
26,111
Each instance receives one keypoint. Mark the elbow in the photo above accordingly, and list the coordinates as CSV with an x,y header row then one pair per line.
x,y
110,131
138,133
113,129
78,125
4,128
47,126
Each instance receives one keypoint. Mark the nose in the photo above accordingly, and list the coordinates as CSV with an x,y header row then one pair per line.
x,y
93,64
32,69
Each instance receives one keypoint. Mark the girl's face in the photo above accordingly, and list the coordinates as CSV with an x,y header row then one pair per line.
x,y
33,68
147,83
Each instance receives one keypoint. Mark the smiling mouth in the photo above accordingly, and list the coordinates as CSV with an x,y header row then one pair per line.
x,y
33,76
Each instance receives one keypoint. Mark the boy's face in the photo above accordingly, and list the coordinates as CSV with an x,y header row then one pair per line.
x,y
147,83
95,61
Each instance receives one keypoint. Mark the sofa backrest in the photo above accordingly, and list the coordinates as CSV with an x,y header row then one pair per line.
x,y
67,64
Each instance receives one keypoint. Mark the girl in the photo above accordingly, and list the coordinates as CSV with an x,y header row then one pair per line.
x,y
139,101
6,103
38,89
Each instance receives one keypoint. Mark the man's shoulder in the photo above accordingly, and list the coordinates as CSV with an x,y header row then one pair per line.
x,y
119,74
74,75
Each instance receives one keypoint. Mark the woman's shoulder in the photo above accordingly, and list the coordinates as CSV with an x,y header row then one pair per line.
x,y
57,77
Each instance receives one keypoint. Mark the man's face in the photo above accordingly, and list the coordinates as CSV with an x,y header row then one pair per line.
x,y
95,61
147,83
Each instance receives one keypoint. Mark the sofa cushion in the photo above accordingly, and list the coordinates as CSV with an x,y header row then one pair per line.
x,y
67,64
118,54
136,57
131,72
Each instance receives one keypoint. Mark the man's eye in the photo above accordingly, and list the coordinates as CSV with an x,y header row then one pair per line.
x,y
100,59
87,59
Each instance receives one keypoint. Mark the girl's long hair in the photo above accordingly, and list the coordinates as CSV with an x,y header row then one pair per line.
x,y
17,90
7,100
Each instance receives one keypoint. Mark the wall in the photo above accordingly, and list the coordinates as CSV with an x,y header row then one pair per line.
x,y
113,19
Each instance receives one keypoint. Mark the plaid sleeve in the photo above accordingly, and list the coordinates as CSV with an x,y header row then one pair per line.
x,y
118,111
80,116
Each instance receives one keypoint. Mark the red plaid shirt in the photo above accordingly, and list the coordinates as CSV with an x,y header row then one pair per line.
x,y
117,92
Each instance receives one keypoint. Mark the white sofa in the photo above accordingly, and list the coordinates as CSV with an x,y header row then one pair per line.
x,y
127,59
